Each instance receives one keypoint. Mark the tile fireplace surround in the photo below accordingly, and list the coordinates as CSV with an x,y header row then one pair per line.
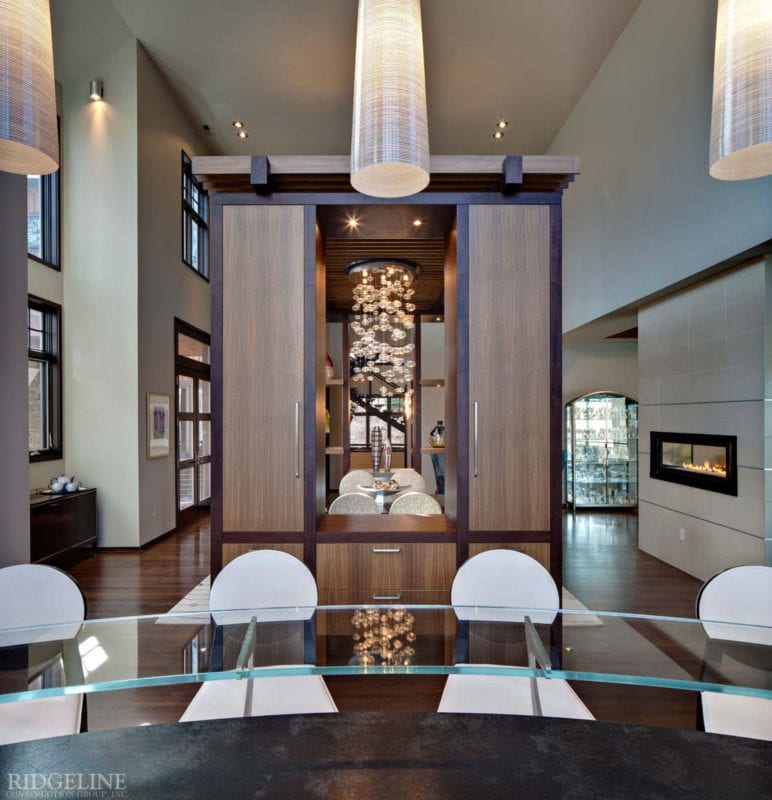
x,y
702,357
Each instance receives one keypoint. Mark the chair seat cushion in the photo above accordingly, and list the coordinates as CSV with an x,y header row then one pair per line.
x,y
295,694
736,715
507,694
38,719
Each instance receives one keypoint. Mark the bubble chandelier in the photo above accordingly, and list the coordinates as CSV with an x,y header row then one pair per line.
x,y
383,319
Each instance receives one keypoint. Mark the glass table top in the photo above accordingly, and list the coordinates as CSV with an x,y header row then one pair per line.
x,y
384,634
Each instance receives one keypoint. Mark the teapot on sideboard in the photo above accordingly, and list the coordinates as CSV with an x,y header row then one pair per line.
x,y
64,484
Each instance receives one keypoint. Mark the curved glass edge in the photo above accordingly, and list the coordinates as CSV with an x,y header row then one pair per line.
x,y
415,670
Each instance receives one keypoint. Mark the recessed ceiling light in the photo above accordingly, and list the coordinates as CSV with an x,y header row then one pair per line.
x,y
417,222
502,123
498,134
353,222
242,134
237,123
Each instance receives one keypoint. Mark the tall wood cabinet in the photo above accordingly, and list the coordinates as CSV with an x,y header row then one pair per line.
x,y
502,377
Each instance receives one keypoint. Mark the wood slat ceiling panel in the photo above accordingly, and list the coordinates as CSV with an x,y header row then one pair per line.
x,y
428,253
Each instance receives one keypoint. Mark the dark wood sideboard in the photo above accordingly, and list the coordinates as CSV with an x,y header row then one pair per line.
x,y
61,522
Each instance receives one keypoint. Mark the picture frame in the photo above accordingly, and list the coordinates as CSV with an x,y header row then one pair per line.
x,y
158,425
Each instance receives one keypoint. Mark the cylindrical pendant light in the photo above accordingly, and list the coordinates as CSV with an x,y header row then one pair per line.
x,y
29,142
741,127
389,134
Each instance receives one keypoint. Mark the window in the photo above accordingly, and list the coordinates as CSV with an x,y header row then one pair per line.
x,y
43,218
195,219
44,379
369,412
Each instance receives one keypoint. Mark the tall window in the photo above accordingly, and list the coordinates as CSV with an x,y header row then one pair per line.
x,y
43,218
44,379
195,220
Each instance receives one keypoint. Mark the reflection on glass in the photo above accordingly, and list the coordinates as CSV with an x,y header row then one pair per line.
x,y
184,394
185,439
204,397
34,238
186,488
37,391
187,346
204,481
204,438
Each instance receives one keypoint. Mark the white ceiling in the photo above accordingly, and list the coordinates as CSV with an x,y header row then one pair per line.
x,y
286,66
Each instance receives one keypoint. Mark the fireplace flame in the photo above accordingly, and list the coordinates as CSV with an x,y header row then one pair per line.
x,y
706,468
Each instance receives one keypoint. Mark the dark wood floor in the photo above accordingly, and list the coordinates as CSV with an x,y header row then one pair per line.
x,y
603,568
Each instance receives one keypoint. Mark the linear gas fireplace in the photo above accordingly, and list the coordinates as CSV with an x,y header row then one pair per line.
x,y
695,459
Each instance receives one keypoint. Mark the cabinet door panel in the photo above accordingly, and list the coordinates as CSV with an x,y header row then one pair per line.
x,y
263,258
509,367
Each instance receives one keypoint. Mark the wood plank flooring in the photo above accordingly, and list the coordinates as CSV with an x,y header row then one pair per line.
x,y
603,568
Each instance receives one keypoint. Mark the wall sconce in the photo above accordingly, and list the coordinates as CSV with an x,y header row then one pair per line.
x,y
389,133
741,124
96,91
29,141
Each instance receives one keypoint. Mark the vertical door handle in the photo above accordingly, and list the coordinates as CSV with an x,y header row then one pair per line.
x,y
475,451
297,438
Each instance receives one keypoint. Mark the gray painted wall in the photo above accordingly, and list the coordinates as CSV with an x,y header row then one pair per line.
x,y
644,213
14,479
612,366
167,287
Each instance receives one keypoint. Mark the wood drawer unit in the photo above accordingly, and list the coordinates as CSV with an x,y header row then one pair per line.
x,y
231,551
385,566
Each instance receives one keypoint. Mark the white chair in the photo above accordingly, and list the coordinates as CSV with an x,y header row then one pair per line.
x,y
415,503
495,587
741,597
354,503
265,586
354,478
36,595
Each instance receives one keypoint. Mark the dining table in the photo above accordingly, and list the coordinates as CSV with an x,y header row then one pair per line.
x,y
379,752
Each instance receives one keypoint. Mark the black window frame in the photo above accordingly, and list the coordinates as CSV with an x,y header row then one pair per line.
x,y
50,222
194,220
363,448
51,356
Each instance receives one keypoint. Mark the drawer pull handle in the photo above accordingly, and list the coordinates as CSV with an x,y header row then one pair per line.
x,y
386,596
386,549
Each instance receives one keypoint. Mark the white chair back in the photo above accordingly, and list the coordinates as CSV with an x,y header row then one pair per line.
x,y
276,582
488,586
354,478
410,478
354,503
415,503
741,596
37,595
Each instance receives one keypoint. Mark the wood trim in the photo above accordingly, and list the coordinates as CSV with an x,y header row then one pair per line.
x,y
413,447
261,536
346,399
448,198
389,524
216,352
390,536
556,395
314,478
512,173
330,165
260,174
510,536
457,381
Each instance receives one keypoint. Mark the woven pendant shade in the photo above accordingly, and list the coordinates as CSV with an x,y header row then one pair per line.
x,y
741,127
389,134
29,144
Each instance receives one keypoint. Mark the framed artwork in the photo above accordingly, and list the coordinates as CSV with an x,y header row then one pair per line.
x,y
158,425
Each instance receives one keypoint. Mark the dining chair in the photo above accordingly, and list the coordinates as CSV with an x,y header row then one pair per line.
x,y
354,478
415,503
411,479
354,503
34,595
506,590
735,607
258,589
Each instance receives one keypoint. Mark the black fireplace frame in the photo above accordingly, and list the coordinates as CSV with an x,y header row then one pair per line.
x,y
699,480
